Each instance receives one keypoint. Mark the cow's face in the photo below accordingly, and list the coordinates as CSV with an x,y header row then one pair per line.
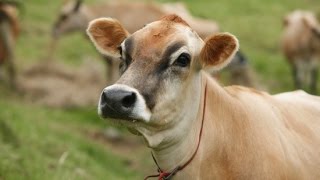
x,y
302,22
159,64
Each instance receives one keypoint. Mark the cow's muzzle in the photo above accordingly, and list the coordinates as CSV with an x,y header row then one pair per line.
x,y
123,102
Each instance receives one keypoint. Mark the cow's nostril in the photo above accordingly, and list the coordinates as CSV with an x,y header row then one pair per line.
x,y
129,100
103,98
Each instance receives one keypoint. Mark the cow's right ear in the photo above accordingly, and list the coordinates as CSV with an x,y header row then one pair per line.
x,y
107,34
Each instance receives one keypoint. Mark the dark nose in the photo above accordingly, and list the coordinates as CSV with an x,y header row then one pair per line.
x,y
117,103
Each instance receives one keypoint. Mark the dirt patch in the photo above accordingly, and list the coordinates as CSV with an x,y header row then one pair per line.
x,y
53,84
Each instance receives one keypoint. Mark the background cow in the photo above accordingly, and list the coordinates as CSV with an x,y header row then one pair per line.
x,y
301,46
9,31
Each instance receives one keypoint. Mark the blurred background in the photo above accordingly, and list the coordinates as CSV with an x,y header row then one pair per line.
x,y
51,77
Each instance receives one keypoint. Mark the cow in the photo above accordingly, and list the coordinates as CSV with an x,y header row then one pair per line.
x,y
195,128
9,31
301,46
75,16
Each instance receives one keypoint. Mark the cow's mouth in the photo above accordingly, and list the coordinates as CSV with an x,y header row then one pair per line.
x,y
122,119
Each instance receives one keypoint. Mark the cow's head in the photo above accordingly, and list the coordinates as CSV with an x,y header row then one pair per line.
x,y
70,18
160,67
303,21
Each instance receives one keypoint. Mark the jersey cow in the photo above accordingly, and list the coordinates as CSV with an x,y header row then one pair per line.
x,y
301,46
195,128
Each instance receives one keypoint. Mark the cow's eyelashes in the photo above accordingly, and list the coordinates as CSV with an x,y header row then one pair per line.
x,y
183,60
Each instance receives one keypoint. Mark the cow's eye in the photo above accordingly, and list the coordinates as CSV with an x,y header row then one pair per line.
x,y
183,60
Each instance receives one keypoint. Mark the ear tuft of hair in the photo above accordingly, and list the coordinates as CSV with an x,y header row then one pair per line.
x,y
174,18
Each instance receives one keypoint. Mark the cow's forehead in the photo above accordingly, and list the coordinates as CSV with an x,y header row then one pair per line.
x,y
156,37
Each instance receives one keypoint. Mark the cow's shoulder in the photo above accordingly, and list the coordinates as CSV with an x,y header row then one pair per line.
x,y
237,91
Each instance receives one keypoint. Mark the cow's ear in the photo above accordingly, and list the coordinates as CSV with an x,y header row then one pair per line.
x,y
218,50
107,34
313,26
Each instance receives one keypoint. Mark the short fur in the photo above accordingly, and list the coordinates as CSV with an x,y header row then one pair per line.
x,y
175,19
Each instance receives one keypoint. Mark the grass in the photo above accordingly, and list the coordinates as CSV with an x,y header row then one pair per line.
x,y
33,139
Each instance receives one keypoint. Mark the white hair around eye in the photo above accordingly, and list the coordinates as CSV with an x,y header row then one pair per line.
x,y
174,56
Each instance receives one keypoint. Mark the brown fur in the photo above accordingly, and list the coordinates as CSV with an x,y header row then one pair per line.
x,y
174,18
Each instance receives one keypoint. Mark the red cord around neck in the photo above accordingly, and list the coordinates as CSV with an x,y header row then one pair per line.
x,y
162,175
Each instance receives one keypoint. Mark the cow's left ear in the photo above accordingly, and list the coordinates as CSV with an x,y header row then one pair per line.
x,y
218,50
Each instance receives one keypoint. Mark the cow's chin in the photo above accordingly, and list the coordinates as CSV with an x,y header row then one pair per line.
x,y
130,124
125,121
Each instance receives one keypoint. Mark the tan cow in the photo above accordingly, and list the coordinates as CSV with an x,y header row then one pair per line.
x,y
9,30
301,46
195,128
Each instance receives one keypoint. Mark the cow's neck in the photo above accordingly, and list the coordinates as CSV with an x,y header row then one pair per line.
x,y
176,145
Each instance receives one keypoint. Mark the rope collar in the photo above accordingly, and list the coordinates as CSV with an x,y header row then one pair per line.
x,y
162,175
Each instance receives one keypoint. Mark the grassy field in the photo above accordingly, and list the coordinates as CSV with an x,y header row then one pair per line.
x,y
48,143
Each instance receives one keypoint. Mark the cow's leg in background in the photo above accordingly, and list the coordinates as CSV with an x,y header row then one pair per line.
x,y
7,40
297,83
314,79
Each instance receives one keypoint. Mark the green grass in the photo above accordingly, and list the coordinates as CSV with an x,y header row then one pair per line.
x,y
34,138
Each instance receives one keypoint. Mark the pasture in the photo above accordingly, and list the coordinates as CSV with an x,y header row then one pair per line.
x,y
61,141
